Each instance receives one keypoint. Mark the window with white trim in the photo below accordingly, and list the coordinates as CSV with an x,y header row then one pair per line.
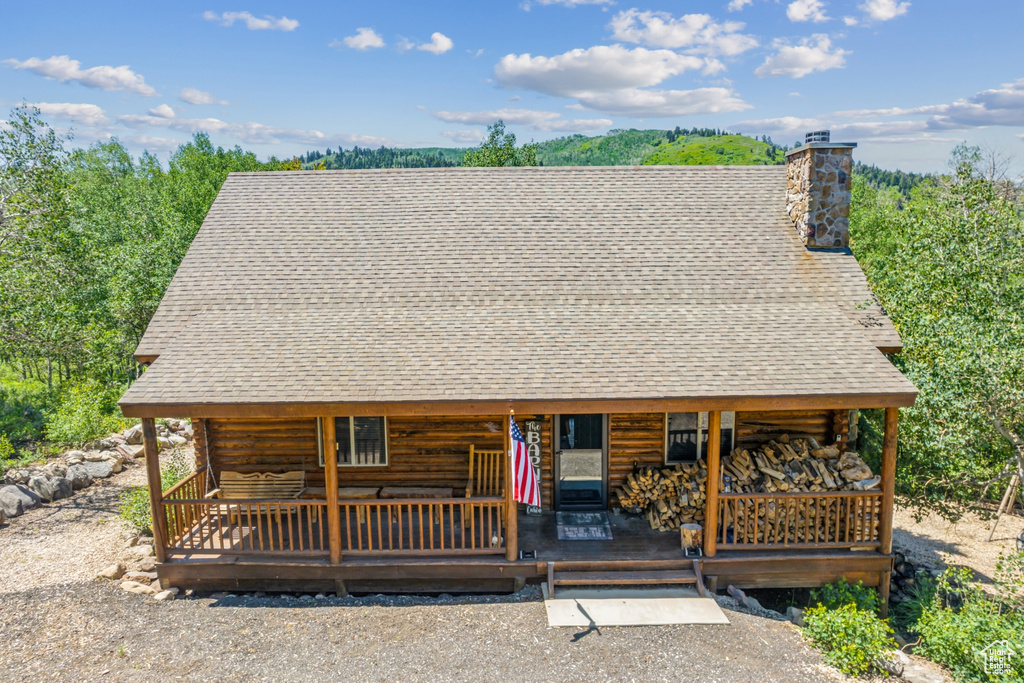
x,y
361,441
686,436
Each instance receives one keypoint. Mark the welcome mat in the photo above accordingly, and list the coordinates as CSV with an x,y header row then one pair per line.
x,y
583,526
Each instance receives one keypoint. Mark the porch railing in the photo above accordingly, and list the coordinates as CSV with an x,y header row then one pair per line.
x,y
841,519
448,526
418,526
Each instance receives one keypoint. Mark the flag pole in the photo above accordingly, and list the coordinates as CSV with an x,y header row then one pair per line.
x,y
511,509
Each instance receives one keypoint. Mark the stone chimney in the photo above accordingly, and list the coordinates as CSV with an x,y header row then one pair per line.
x,y
818,183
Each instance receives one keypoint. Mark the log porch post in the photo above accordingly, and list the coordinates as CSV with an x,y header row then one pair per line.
x,y
156,495
511,509
331,482
888,475
713,482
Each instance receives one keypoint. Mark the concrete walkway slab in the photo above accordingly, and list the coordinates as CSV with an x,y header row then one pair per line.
x,y
630,607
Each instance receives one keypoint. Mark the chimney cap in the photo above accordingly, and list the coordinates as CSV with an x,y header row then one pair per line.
x,y
820,139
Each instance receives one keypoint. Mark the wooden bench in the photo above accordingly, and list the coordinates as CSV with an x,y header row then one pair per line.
x,y
259,486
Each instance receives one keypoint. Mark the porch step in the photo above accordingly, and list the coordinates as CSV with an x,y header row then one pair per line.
x,y
624,575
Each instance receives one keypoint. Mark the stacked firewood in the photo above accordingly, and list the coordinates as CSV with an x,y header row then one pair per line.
x,y
671,496
668,497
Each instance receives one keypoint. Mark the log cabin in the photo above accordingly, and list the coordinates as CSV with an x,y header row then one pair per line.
x,y
369,332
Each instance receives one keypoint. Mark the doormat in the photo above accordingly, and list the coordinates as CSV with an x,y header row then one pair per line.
x,y
583,526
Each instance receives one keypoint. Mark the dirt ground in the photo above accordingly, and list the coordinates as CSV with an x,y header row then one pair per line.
x,y
57,622
936,543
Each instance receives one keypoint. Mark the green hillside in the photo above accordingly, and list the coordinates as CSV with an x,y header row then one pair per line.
x,y
716,150
617,148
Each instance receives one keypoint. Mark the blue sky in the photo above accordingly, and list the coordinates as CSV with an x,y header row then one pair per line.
x,y
907,80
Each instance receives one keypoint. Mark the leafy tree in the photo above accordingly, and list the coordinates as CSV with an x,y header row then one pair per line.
x,y
948,266
500,150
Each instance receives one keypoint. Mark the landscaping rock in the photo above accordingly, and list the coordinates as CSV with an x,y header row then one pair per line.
x,y
79,477
62,488
74,457
138,588
141,551
18,476
163,442
116,439
892,662
161,430
11,504
43,487
163,596
175,425
95,456
147,578
795,615
177,440
55,469
3,516
99,470
113,572
28,498
133,435
147,564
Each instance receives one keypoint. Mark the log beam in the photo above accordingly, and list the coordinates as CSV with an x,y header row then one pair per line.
x,y
511,508
330,441
152,450
888,475
714,482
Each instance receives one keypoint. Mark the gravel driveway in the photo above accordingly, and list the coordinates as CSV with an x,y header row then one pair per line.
x,y
58,623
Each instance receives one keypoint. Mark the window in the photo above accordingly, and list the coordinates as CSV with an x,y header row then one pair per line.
x,y
686,436
362,441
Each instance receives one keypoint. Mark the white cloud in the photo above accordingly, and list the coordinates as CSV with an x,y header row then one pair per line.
x,y
603,68
163,111
475,53
266,23
364,39
796,61
806,10
62,68
86,114
737,5
194,96
546,121
439,44
250,132
466,137
850,21
884,10
694,32
566,3
656,103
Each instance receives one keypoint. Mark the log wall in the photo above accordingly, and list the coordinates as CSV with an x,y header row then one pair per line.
x,y
634,438
422,451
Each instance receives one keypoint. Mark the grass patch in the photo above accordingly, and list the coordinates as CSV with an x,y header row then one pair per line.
x,y
134,508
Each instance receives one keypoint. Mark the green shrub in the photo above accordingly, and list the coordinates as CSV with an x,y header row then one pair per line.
x,y
835,595
963,619
22,407
84,412
851,638
6,447
134,508
906,613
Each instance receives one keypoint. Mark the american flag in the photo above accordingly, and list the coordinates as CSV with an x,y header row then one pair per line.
x,y
524,479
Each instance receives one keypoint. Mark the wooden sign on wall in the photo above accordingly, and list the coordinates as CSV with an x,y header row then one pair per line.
x,y
532,434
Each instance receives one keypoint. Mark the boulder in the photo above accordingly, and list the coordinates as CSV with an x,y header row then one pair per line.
x,y
113,572
795,614
18,497
18,476
96,456
147,578
139,588
175,425
43,487
161,430
188,432
99,470
163,443
74,457
55,469
147,564
116,439
177,440
133,435
141,551
62,488
127,453
164,595
892,662
79,477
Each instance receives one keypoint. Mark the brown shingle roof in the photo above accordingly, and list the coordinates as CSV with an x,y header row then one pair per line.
x,y
495,284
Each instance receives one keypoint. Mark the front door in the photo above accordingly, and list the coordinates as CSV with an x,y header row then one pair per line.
x,y
580,456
